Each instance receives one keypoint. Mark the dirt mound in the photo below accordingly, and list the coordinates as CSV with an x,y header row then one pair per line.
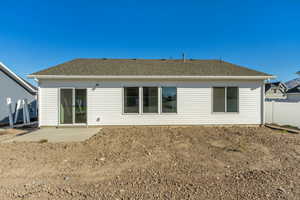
x,y
156,163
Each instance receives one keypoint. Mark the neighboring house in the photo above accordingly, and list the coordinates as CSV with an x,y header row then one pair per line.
x,y
275,91
149,92
14,87
293,94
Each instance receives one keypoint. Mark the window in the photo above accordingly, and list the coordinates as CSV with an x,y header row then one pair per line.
x,y
168,100
219,99
232,99
225,99
131,100
150,100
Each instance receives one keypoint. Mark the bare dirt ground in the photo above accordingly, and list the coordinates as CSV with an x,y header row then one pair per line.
x,y
6,134
156,163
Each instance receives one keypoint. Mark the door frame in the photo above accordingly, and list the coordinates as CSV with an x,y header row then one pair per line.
x,y
73,107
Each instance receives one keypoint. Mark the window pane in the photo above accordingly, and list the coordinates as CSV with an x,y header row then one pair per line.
x,y
80,106
218,99
169,100
232,99
131,100
66,108
150,100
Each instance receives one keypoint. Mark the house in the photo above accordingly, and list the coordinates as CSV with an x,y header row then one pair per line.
x,y
293,94
149,92
275,91
14,87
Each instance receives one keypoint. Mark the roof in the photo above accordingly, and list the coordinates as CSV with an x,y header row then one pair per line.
x,y
146,67
23,83
294,90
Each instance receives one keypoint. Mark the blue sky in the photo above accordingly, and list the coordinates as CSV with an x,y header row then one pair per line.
x,y
263,35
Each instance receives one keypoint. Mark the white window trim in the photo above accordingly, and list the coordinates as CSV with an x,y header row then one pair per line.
x,y
159,96
171,113
123,102
142,101
238,100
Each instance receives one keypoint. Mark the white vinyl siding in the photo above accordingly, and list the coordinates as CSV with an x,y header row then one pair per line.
x,y
48,106
194,103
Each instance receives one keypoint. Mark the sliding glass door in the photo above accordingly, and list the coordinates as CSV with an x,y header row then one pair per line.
x,y
66,106
73,106
80,106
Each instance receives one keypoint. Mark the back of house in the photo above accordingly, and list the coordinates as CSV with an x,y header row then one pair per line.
x,y
149,92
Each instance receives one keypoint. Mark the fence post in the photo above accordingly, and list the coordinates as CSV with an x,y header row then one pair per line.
x,y
273,102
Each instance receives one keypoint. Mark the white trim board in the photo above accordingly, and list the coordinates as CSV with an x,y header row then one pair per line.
x,y
17,78
152,77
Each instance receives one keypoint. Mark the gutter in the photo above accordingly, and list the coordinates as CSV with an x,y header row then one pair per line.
x,y
150,77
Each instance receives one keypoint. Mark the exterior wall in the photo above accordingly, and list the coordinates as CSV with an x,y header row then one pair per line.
x,y
194,100
278,95
293,97
9,88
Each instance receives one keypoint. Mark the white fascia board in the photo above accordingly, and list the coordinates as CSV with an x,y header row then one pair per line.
x,y
15,76
150,77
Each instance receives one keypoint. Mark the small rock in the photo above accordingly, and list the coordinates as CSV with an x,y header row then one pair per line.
x,y
281,189
68,191
66,178
122,190
102,159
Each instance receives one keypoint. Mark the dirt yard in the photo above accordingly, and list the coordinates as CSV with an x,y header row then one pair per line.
x,y
156,163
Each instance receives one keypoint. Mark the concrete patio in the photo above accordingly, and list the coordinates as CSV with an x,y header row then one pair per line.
x,y
56,135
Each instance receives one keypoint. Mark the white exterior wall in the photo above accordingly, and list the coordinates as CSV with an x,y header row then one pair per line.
x,y
279,95
194,103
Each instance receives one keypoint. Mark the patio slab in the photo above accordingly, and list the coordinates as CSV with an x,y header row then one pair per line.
x,y
76,134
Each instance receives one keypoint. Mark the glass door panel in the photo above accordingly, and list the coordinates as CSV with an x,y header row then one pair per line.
x,y
66,106
80,106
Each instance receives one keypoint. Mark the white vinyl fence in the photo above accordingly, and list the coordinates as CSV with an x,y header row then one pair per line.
x,y
283,113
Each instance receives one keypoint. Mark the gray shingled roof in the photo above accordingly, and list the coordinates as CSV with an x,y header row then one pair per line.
x,y
294,89
144,67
